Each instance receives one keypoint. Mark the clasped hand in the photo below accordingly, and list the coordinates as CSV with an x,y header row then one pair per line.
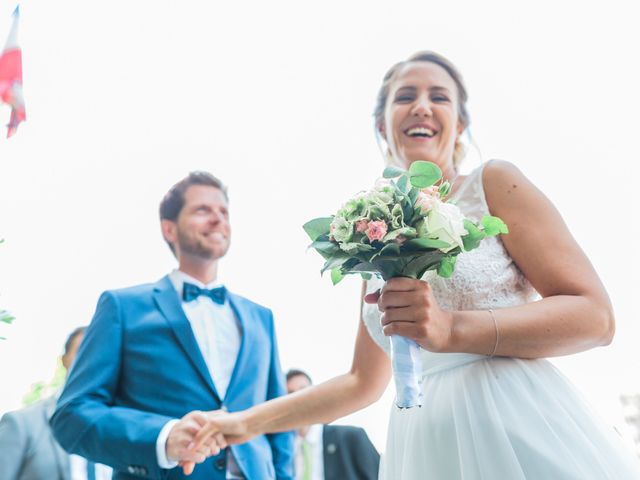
x,y
199,435
409,308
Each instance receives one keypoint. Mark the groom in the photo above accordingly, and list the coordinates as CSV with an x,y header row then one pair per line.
x,y
157,355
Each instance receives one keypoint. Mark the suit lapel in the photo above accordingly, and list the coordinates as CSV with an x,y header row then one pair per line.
x,y
243,315
169,305
62,458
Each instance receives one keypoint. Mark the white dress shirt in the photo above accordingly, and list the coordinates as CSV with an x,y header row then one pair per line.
x,y
78,466
314,439
218,335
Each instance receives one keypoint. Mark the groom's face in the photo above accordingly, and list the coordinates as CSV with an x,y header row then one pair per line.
x,y
202,228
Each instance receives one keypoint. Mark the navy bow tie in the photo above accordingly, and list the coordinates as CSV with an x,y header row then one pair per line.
x,y
191,292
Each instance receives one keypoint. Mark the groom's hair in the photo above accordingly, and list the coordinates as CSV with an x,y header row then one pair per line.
x,y
173,201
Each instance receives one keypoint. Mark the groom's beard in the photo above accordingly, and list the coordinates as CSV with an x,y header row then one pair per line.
x,y
195,247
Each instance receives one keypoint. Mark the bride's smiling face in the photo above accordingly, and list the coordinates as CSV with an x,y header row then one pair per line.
x,y
421,115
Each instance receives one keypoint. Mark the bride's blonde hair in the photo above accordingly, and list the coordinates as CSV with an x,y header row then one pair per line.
x,y
432,57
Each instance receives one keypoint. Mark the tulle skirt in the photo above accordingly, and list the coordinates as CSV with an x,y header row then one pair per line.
x,y
502,419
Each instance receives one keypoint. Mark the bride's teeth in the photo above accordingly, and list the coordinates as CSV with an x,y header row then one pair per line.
x,y
422,131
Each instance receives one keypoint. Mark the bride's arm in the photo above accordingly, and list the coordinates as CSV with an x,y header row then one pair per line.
x,y
322,403
575,313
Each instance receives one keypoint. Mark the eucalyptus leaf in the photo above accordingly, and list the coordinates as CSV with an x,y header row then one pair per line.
x,y
403,183
446,267
392,172
424,174
336,275
493,226
317,227
474,236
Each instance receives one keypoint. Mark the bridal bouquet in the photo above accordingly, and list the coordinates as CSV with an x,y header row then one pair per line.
x,y
402,227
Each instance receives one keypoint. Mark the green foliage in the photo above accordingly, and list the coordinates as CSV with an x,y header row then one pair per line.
x,y
423,243
336,275
424,174
447,264
317,227
387,232
474,236
5,316
42,389
392,172
493,226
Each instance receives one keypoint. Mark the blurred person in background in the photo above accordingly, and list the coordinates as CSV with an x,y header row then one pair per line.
x,y
28,450
331,452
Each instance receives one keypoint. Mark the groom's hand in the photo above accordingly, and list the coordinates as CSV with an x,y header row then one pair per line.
x,y
183,434
191,453
222,429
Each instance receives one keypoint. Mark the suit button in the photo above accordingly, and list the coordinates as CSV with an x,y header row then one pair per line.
x,y
131,469
220,464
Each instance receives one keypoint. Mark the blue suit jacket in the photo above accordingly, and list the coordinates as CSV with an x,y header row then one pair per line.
x,y
140,366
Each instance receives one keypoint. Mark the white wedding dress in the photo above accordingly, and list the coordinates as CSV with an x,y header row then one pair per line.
x,y
494,418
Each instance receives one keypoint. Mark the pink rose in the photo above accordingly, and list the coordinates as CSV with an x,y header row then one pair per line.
x,y
427,201
362,225
377,230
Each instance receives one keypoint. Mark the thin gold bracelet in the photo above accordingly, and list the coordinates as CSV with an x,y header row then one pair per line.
x,y
495,324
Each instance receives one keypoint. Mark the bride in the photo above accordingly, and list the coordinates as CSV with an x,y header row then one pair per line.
x,y
493,407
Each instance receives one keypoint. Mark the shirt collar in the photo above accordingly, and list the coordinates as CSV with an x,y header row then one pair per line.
x,y
314,435
179,278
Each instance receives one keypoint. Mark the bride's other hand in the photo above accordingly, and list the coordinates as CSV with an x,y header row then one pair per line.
x,y
410,309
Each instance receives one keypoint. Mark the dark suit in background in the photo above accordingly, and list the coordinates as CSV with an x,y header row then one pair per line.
x,y
348,454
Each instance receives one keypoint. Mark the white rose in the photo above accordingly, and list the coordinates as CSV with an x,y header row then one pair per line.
x,y
446,223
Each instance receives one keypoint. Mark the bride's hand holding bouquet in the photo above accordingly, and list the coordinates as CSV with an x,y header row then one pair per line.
x,y
398,231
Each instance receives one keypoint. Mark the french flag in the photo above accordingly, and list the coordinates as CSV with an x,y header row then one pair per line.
x,y
11,77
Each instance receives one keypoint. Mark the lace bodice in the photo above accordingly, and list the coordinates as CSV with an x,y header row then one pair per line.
x,y
483,278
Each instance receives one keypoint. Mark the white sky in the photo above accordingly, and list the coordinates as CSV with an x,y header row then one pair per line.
x,y
124,98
